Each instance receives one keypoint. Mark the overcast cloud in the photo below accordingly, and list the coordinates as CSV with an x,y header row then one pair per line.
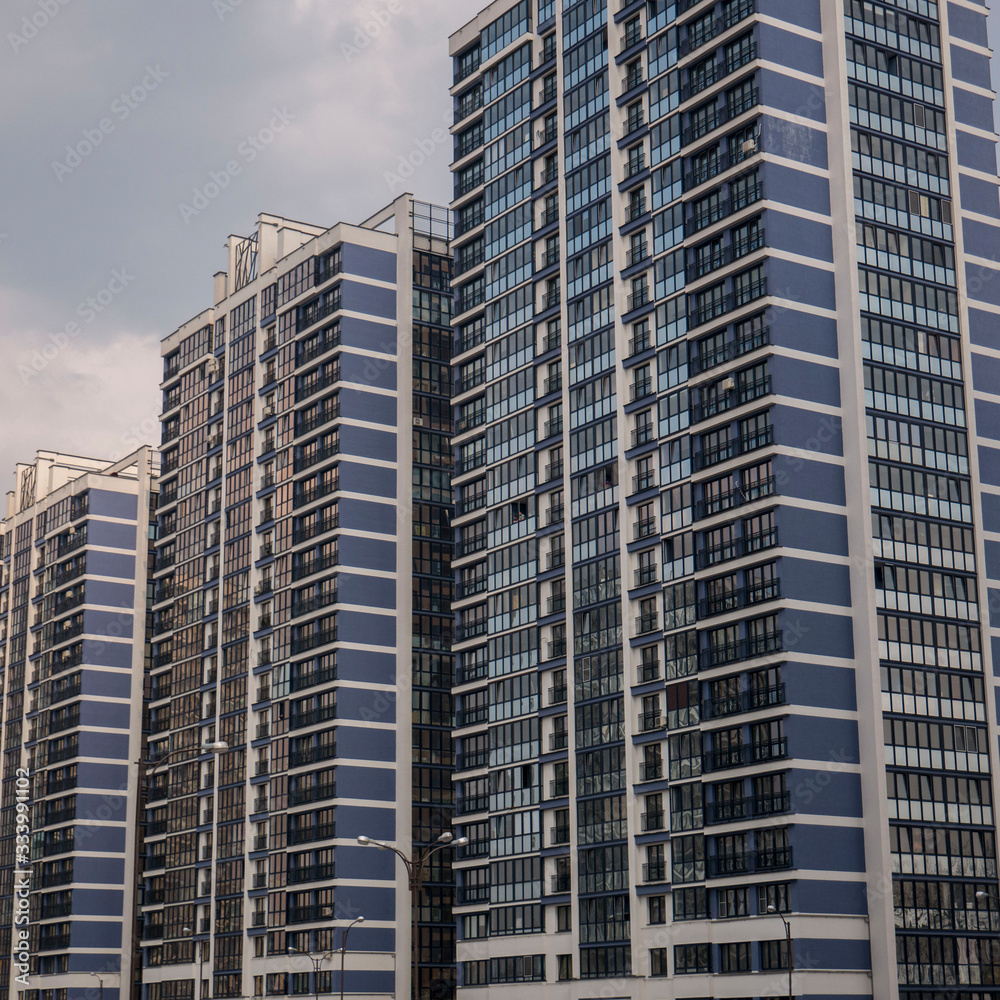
x,y
117,115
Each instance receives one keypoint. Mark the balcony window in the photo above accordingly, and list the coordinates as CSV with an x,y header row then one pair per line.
x,y
636,160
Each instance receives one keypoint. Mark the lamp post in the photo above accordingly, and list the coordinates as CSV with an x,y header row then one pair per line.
x,y
416,870
343,950
147,767
100,984
200,945
152,765
788,944
317,962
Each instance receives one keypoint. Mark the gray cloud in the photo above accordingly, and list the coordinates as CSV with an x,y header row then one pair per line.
x,y
364,83
132,110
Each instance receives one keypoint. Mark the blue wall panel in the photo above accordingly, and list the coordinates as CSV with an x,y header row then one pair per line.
x,y
817,530
829,848
368,335
815,738
368,299
790,95
97,870
367,553
985,373
98,774
802,13
968,25
105,684
989,461
799,235
980,238
368,442
793,141
973,109
91,934
104,715
367,515
827,792
830,897
797,427
789,279
805,380
371,407
815,582
111,564
380,372
114,625
970,67
366,783
975,152
982,282
379,824
366,706
370,479
992,559
364,743
107,654
820,686
990,505
367,665
831,953
368,591
110,745
368,262
98,901
819,481
107,503
370,866
112,595
797,52
803,332
797,188
982,326
817,633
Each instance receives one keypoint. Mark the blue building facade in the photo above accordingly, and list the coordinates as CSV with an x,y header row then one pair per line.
x,y
725,334
76,547
303,591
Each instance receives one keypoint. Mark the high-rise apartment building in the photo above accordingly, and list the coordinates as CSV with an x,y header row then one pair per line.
x,y
727,492
75,548
302,617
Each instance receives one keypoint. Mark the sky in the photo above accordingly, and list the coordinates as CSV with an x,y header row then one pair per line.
x,y
139,136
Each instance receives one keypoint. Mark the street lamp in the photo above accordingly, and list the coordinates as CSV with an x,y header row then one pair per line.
x,y
788,944
100,983
343,950
317,960
416,871
146,768
201,960
216,747
982,894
